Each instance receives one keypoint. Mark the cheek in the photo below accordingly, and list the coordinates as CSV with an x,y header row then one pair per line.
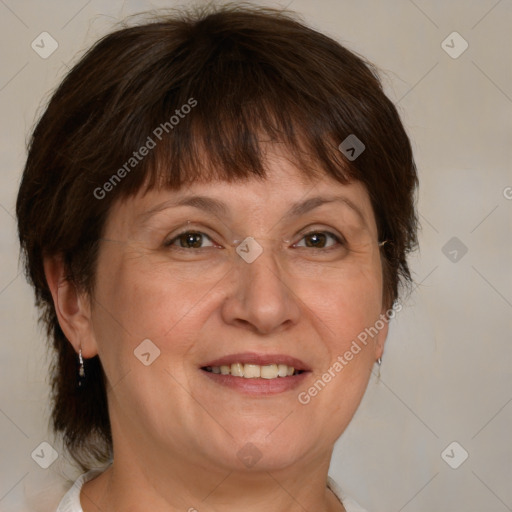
x,y
342,309
139,298
343,306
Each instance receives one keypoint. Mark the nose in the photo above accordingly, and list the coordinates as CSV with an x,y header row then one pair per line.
x,y
260,298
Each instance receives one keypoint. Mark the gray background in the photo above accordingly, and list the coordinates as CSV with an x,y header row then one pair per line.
x,y
446,373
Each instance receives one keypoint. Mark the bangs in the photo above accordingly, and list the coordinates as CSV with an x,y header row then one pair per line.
x,y
211,111
230,140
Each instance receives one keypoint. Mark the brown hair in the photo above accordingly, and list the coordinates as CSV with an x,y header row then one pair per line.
x,y
246,74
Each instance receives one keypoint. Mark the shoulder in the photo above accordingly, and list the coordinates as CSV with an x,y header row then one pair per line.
x,y
71,500
349,504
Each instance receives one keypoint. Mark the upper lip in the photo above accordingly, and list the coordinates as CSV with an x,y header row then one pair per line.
x,y
259,359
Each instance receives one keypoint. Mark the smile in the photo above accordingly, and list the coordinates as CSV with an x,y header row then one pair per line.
x,y
254,371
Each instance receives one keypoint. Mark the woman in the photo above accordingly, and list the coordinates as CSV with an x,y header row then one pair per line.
x,y
215,215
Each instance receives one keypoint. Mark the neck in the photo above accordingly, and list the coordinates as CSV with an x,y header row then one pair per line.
x,y
163,486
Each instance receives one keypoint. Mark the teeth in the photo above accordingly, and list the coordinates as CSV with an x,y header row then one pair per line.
x,y
282,370
269,372
253,371
237,369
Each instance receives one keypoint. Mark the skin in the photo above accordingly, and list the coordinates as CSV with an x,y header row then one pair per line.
x,y
176,433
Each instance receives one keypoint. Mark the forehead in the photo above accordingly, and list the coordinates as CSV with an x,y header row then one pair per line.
x,y
285,178
286,192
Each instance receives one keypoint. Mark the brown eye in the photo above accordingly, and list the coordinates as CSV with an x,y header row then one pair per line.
x,y
319,240
190,240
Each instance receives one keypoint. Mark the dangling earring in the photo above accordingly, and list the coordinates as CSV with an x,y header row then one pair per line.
x,y
379,362
81,369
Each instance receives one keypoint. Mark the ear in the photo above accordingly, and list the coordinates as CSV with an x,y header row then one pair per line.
x,y
380,339
72,307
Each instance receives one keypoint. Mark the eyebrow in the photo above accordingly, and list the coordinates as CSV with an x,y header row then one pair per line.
x,y
218,208
207,204
303,207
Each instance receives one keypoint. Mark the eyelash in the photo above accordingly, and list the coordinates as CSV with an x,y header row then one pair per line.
x,y
338,239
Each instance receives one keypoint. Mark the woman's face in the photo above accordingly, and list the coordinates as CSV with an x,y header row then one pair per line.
x,y
180,295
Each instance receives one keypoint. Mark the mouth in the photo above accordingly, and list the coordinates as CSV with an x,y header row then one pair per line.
x,y
254,371
257,374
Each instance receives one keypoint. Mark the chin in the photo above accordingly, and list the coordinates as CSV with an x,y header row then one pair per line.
x,y
267,450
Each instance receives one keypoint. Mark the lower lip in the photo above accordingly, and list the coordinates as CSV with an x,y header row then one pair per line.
x,y
258,386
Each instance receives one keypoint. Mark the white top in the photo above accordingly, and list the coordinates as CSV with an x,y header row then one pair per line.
x,y
71,501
